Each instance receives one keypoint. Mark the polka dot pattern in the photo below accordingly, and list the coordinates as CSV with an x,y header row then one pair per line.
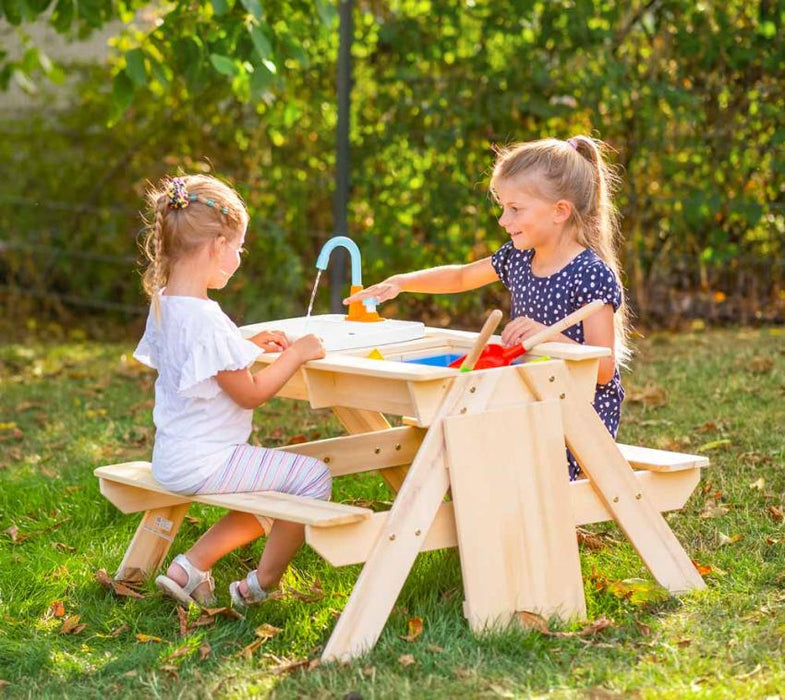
x,y
549,299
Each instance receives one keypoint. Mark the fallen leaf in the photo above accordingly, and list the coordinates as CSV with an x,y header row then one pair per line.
x,y
708,427
267,631
645,630
592,540
204,651
715,445
117,587
225,612
684,642
435,648
248,650
63,547
712,509
118,631
651,396
297,439
707,569
57,609
171,670
406,660
180,651
182,617
369,671
761,365
147,638
759,484
12,532
71,625
775,512
533,621
314,594
725,539
415,627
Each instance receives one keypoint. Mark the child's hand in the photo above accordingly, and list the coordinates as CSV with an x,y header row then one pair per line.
x,y
515,332
309,347
383,291
271,341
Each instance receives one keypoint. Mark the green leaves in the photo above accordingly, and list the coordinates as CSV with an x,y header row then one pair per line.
x,y
134,67
222,64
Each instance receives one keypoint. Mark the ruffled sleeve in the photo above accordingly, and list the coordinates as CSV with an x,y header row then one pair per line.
x,y
147,350
596,281
220,350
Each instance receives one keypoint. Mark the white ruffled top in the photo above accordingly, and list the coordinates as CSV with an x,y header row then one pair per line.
x,y
197,424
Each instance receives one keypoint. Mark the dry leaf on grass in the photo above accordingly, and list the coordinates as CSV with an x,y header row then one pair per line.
x,y
650,396
267,631
182,618
539,624
117,587
71,625
118,631
759,484
406,660
732,539
712,509
56,609
205,651
415,627
707,569
775,512
147,638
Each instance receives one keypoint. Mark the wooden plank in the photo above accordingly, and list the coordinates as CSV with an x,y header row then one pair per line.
x,y
399,542
613,479
272,504
328,389
363,452
516,533
151,542
661,460
133,499
360,421
352,544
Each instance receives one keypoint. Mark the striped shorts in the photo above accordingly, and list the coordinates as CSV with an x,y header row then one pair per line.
x,y
252,468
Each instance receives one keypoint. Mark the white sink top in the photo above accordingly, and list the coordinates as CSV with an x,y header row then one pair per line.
x,y
339,334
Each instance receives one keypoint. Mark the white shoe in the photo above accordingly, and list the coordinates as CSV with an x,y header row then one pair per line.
x,y
184,594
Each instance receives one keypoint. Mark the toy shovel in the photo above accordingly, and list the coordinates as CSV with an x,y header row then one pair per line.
x,y
498,356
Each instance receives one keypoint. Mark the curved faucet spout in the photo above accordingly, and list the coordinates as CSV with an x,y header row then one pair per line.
x,y
354,252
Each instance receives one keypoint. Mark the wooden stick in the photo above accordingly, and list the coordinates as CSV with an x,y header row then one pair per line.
x,y
488,328
566,322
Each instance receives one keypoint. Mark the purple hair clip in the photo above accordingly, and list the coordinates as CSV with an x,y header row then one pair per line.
x,y
177,193
573,143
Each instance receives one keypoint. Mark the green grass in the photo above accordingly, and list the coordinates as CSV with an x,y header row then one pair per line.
x,y
68,407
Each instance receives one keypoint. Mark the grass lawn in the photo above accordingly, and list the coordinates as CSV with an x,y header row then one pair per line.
x,y
67,407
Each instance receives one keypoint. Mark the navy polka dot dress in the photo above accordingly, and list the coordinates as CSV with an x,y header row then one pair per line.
x,y
549,299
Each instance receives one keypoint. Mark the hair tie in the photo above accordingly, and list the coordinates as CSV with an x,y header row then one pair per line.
x,y
573,143
177,194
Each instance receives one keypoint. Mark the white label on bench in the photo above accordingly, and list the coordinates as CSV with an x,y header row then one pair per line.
x,y
163,524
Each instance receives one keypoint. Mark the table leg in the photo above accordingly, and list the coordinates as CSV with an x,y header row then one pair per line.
x,y
408,522
152,541
613,479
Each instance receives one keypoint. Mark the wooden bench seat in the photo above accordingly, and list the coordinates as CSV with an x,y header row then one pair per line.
x,y
661,460
131,488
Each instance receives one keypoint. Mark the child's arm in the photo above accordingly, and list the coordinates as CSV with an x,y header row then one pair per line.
x,y
597,330
250,390
433,280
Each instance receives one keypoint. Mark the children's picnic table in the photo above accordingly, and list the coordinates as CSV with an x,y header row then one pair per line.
x,y
478,463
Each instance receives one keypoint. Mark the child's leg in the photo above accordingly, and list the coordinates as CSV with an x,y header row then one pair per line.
x,y
232,531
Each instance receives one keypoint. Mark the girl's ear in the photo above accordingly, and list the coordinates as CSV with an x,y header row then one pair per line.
x,y
562,211
217,246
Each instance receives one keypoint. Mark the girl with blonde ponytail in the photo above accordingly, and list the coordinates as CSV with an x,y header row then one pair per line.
x,y
557,208
205,392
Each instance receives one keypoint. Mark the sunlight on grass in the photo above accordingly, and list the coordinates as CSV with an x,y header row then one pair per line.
x,y
75,406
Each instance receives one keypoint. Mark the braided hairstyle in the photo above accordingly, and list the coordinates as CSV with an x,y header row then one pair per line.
x,y
575,170
185,214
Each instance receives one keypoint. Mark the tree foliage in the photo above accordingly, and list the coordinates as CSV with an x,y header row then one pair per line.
x,y
689,94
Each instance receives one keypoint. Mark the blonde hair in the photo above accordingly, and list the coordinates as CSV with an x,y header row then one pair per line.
x,y
575,170
182,221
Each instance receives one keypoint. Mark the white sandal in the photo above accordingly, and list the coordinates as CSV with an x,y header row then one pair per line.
x,y
256,594
184,594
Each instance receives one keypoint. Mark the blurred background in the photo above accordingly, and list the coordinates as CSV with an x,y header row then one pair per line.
x,y
99,97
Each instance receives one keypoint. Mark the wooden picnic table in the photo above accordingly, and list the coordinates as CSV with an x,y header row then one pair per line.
x,y
494,442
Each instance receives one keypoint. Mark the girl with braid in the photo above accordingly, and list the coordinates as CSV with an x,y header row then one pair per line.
x,y
557,208
205,390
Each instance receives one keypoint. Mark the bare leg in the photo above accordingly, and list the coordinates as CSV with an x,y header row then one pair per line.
x,y
282,544
232,531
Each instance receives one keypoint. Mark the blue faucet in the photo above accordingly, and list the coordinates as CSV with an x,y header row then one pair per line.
x,y
354,252
358,311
